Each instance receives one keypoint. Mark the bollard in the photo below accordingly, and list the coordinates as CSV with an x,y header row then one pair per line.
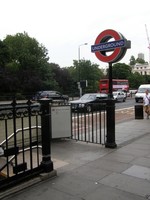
x,y
46,163
139,112
110,137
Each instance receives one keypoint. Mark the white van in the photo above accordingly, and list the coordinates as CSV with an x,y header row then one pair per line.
x,y
141,92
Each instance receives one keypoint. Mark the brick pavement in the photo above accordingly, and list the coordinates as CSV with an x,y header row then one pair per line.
x,y
124,114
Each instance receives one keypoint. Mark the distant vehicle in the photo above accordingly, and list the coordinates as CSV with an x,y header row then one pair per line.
x,y
88,102
117,84
53,95
141,92
119,96
133,91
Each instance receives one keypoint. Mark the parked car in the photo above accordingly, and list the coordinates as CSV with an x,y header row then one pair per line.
x,y
119,96
53,95
89,102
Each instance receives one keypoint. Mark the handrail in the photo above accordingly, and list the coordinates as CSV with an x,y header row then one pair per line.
x,y
17,131
20,151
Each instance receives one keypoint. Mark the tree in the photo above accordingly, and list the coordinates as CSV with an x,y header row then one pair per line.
x,y
135,80
140,60
132,60
28,63
63,78
25,51
4,54
85,70
147,79
121,71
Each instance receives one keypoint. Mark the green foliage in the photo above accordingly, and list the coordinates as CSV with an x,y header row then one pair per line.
x,y
121,71
26,52
140,60
85,70
135,80
27,68
132,60
4,54
63,79
147,79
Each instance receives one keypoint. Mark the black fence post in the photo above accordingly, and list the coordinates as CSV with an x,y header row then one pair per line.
x,y
110,137
46,163
110,108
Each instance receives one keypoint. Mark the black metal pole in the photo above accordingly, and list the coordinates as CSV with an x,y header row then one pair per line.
x,y
110,95
110,138
46,163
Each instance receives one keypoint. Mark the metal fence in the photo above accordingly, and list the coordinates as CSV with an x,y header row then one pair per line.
x,y
89,122
26,133
21,152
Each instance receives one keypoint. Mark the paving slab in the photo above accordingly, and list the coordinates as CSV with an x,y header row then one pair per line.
x,y
104,192
130,130
127,183
142,161
138,171
75,185
90,173
112,166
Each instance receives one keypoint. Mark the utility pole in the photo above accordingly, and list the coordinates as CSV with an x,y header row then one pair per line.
x,y
79,83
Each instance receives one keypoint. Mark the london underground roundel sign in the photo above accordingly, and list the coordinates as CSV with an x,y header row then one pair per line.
x,y
117,46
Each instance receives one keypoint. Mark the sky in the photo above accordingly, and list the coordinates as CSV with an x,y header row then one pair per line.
x,y
64,26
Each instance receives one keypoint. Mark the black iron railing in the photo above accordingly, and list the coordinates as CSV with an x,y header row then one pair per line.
x,y
21,148
26,133
89,122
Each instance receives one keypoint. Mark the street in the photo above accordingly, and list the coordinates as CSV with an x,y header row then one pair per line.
x,y
130,102
125,110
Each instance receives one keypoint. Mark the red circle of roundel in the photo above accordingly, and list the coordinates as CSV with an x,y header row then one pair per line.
x,y
107,34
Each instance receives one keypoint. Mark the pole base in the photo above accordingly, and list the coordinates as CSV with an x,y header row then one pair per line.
x,y
47,166
111,145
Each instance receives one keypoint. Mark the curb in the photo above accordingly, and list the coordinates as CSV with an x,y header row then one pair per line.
x,y
26,184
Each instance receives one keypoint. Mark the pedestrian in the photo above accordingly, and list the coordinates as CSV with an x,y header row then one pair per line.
x,y
146,102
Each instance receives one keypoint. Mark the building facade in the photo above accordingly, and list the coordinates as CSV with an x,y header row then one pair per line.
x,y
143,69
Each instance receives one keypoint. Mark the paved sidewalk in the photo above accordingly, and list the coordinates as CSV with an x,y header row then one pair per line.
x,y
89,171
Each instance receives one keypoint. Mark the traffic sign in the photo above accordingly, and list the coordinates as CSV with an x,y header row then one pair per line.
x,y
107,46
103,45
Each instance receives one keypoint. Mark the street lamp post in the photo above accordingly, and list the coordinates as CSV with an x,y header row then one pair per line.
x,y
80,88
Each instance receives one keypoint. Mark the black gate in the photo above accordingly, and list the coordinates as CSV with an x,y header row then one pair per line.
x,y
21,152
89,122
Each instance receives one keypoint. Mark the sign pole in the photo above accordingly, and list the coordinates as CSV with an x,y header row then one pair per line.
x,y
110,138
110,109
110,95
118,47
